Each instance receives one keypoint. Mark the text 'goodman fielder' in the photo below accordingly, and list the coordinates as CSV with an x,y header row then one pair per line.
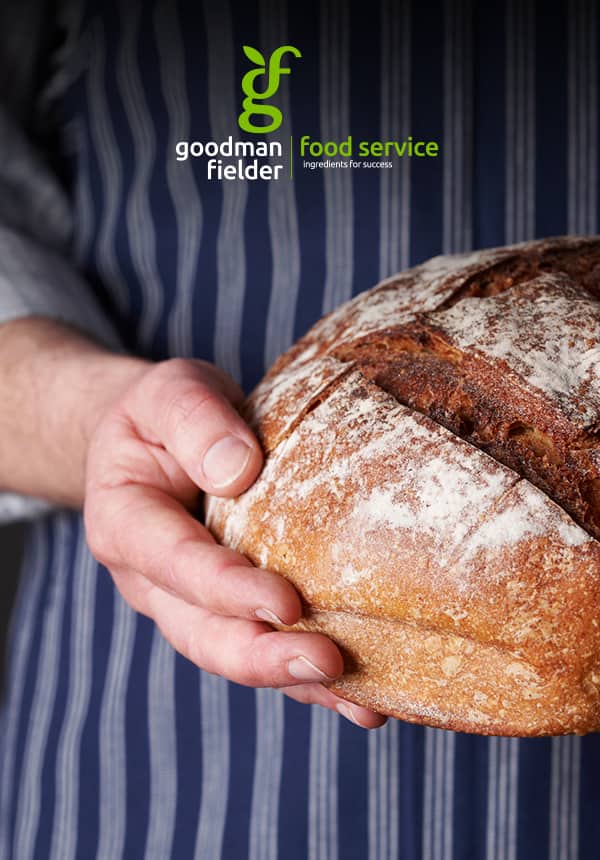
x,y
255,102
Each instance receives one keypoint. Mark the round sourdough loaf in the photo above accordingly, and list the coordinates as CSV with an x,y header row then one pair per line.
x,y
432,488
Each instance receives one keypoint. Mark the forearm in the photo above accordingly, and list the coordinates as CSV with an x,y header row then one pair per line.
x,y
54,385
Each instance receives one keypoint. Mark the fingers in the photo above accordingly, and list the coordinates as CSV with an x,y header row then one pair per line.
x,y
185,406
232,649
142,529
247,652
317,694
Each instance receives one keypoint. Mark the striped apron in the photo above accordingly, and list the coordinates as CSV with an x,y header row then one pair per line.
x,y
113,746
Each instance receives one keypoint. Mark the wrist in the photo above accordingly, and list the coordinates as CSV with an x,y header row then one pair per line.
x,y
57,384
89,381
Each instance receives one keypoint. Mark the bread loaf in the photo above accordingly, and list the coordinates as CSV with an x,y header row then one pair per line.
x,y
432,488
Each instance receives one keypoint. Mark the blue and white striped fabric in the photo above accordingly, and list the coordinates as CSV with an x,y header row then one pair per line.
x,y
112,745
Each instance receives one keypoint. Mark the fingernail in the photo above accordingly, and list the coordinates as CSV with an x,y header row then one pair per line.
x,y
267,615
225,461
303,670
346,711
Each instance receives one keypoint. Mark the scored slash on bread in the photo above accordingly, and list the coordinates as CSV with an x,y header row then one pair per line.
x,y
431,489
518,375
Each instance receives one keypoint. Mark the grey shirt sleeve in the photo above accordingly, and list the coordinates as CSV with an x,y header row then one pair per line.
x,y
36,276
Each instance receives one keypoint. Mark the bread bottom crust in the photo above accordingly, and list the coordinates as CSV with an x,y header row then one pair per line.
x,y
470,686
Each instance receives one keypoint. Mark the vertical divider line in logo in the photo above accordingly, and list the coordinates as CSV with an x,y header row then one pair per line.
x,y
291,156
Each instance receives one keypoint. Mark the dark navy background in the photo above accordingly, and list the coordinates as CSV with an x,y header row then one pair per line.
x,y
481,146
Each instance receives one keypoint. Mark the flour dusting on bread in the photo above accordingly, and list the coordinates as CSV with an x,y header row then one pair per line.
x,y
424,443
546,330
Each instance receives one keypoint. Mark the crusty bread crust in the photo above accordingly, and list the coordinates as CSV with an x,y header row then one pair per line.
x,y
429,488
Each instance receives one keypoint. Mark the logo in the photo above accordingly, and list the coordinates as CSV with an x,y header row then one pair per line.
x,y
254,103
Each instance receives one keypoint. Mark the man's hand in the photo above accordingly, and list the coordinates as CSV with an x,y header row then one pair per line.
x,y
134,443
173,431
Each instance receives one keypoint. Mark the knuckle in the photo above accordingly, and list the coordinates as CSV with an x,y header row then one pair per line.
x,y
177,365
223,583
186,406
193,647
184,549
169,573
171,369
173,564
256,667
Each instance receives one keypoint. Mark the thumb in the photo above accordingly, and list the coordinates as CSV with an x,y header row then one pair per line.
x,y
182,406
